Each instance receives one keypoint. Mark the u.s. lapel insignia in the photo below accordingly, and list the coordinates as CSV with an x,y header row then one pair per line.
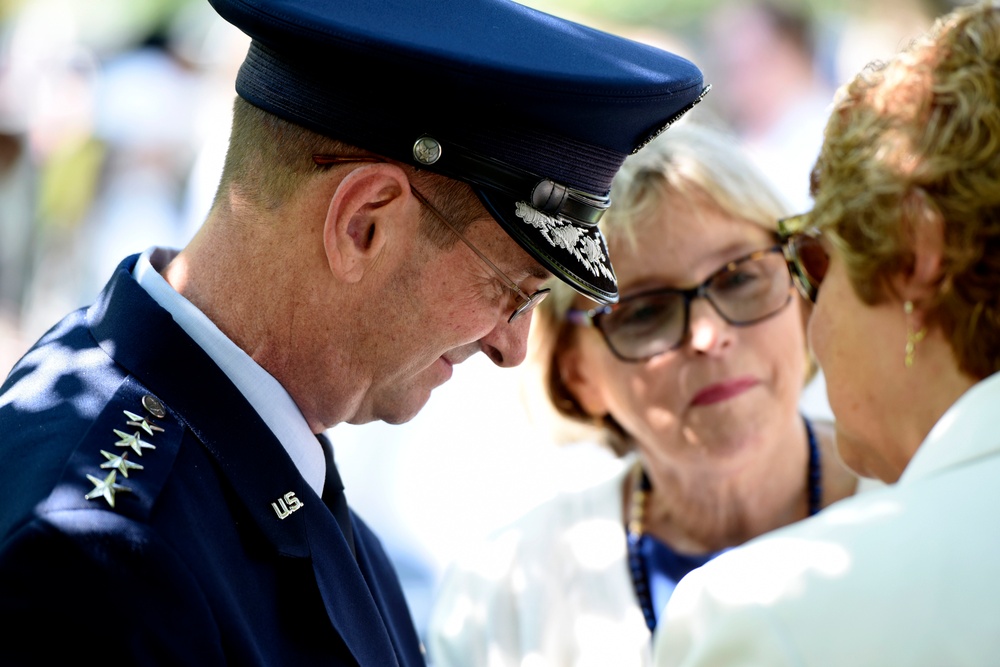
x,y
119,463
287,504
105,488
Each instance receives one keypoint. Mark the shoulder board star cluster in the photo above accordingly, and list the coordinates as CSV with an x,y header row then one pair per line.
x,y
139,429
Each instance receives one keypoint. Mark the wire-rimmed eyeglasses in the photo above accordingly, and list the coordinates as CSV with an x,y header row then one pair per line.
x,y
807,259
525,302
745,291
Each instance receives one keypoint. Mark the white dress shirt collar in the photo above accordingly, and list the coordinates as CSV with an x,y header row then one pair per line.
x,y
260,388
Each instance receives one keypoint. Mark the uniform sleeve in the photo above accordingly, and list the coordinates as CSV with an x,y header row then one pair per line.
x,y
109,592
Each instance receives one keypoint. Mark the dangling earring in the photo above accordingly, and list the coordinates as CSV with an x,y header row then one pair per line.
x,y
912,338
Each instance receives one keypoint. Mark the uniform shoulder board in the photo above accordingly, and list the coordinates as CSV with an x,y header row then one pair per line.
x,y
125,457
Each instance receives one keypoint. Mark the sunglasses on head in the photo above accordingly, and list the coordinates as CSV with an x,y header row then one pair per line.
x,y
807,259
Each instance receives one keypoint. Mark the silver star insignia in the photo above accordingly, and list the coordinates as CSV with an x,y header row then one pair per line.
x,y
143,423
119,463
133,440
106,488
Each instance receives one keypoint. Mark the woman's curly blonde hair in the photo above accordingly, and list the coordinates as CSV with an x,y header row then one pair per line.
x,y
920,136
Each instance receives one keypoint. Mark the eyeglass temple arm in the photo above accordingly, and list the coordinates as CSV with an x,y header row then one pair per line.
x,y
326,160
510,283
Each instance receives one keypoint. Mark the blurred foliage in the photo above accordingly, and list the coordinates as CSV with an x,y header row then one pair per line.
x,y
68,182
660,13
680,15
106,26
9,7
111,24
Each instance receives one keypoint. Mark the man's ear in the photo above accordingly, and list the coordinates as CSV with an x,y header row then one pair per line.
x,y
925,226
360,218
580,380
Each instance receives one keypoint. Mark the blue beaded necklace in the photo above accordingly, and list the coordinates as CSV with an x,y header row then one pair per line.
x,y
637,536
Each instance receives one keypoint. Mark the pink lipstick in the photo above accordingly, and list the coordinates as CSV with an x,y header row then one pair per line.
x,y
723,391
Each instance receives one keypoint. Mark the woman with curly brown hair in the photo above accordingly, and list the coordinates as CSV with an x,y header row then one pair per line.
x,y
901,255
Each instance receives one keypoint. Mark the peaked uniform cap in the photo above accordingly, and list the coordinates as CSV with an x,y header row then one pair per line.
x,y
535,112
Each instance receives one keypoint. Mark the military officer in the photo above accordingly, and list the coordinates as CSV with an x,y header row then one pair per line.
x,y
402,179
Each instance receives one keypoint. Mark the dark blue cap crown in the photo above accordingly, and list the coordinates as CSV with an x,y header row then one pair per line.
x,y
536,113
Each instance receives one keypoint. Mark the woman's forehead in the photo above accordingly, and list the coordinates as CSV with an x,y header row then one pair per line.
x,y
676,243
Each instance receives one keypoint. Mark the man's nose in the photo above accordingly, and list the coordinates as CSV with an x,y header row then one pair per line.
x,y
507,344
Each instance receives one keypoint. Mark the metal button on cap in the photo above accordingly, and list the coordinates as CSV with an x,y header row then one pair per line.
x,y
427,150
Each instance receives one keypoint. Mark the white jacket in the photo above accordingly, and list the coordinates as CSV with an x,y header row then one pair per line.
x,y
551,590
908,574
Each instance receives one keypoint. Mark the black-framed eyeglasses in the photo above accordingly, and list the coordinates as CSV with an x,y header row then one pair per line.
x,y
525,302
745,291
807,259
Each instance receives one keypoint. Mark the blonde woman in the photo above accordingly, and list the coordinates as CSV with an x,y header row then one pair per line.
x,y
902,256
694,378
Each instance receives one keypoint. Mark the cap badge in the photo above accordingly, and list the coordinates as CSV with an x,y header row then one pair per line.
x,y
588,250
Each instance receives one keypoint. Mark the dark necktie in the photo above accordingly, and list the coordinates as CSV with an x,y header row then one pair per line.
x,y
333,493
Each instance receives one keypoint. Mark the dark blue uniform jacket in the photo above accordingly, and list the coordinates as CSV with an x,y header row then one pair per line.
x,y
193,565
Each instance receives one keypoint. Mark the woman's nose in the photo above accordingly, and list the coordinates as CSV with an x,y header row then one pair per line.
x,y
708,331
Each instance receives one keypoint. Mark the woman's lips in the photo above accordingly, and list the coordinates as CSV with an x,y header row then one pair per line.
x,y
723,391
